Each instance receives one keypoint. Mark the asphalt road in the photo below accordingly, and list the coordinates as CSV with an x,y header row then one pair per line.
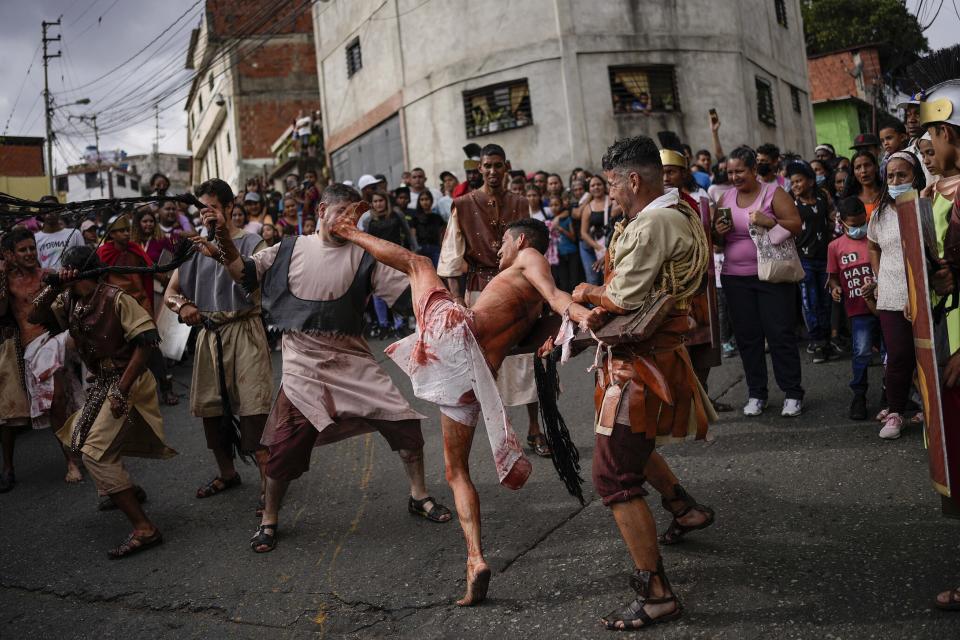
x,y
823,531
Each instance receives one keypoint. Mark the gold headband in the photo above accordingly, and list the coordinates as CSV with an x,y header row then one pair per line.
x,y
670,158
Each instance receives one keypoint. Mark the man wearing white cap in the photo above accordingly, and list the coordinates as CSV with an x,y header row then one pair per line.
x,y
367,185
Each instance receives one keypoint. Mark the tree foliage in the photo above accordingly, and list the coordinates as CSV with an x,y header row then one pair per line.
x,y
831,25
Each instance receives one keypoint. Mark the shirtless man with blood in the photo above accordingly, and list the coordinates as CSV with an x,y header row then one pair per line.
x,y
453,357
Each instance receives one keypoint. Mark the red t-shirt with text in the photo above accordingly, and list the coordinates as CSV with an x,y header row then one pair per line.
x,y
849,260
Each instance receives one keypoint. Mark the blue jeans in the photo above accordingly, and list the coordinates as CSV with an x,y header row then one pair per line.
x,y
588,257
380,306
863,334
432,251
816,299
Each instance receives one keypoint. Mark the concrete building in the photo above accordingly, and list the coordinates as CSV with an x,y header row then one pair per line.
x,y
22,167
85,182
407,83
255,70
849,95
178,168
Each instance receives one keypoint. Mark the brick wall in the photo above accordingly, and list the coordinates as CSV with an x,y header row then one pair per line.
x,y
228,18
21,160
830,77
263,118
282,58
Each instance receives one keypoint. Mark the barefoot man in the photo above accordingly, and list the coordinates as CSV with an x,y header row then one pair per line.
x,y
315,288
456,352
52,391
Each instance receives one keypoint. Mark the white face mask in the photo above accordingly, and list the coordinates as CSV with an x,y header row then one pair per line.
x,y
896,190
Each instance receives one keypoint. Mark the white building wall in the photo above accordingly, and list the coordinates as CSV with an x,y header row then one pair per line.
x,y
418,59
78,191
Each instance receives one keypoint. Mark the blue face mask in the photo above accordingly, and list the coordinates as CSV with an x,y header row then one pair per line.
x,y
821,180
896,190
857,233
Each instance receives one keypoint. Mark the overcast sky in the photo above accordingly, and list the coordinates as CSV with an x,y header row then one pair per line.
x,y
100,34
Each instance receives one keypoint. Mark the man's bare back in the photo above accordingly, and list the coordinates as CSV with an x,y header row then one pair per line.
x,y
507,309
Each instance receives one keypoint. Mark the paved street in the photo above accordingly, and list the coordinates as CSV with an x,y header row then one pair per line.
x,y
823,531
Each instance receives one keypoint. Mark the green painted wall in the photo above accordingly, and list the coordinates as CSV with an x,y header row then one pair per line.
x,y
837,123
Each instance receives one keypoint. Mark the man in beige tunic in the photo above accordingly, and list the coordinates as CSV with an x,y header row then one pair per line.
x,y
314,288
120,417
201,292
470,245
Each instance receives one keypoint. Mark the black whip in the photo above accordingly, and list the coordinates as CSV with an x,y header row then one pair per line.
x,y
229,428
566,457
182,253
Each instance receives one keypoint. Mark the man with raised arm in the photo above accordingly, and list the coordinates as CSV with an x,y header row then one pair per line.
x,y
456,352
314,289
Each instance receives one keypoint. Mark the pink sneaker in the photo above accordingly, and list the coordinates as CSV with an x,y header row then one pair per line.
x,y
892,427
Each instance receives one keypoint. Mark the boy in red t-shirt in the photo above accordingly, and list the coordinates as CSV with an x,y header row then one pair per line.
x,y
852,280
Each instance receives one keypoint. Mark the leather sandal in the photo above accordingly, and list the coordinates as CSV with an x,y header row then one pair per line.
x,y
135,543
538,444
676,531
953,604
437,513
634,615
211,488
263,539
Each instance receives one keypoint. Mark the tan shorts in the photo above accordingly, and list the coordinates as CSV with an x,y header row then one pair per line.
x,y
109,473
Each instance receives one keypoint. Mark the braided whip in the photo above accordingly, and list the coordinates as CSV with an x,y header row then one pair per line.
x,y
229,428
566,457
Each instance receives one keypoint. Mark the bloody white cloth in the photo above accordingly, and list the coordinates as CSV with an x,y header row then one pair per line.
x,y
42,359
447,367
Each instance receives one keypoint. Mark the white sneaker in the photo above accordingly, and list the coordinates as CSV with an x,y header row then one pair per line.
x,y
792,408
892,427
754,407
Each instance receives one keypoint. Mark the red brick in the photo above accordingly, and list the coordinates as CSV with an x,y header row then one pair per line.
x,y
262,120
229,18
830,77
20,160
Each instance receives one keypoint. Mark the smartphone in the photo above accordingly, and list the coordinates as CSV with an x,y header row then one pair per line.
x,y
724,215
713,115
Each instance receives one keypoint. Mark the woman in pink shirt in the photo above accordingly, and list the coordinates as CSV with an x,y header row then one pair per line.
x,y
759,311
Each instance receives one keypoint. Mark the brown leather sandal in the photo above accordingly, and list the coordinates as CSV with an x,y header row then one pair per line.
x,y
953,604
135,543
634,615
538,444
676,531
211,488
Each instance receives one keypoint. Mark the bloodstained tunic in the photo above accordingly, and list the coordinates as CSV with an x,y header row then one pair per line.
x,y
330,377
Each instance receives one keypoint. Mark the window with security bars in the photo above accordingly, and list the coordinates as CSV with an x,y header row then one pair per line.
x,y
354,58
781,8
643,89
183,164
795,99
63,183
499,107
121,180
91,180
765,110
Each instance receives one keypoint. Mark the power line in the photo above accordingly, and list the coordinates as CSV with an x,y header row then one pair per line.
x,y
125,108
23,84
83,13
99,20
147,46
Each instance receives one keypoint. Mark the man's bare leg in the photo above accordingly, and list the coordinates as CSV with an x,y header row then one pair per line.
x,y
413,466
457,439
275,491
58,415
639,532
662,478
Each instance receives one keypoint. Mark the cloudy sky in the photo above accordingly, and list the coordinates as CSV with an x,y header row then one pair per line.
x,y
99,36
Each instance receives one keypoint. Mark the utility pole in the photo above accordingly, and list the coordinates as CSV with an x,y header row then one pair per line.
x,y
156,138
48,100
96,141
